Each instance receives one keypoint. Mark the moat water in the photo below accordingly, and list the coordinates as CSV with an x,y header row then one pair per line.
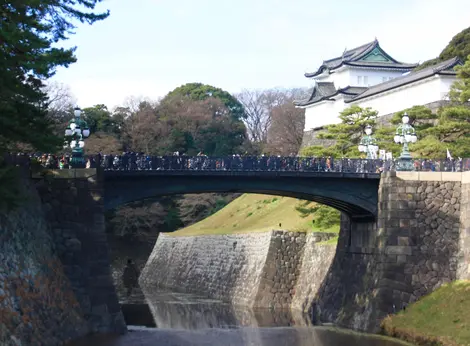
x,y
179,319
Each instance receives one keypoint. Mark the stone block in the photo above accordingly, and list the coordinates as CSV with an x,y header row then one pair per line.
x,y
451,176
407,175
402,259
73,245
99,309
430,176
404,241
398,250
466,177
395,285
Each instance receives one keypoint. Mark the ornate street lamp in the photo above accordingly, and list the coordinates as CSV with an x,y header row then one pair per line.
x,y
368,144
405,134
75,133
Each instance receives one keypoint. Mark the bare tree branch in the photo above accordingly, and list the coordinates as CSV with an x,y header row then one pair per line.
x,y
286,131
259,105
61,100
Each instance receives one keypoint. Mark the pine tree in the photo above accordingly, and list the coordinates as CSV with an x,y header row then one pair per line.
x,y
422,119
460,91
346,134
29,33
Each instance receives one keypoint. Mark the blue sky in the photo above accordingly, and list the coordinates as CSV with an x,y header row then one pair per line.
x,y
148,47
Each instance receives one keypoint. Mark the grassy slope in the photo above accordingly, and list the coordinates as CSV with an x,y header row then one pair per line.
x,y
442,317
254,213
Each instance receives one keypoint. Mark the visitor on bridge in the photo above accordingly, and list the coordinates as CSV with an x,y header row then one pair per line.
x,y
130,276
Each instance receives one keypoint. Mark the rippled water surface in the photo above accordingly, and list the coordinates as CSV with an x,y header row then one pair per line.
x,y
174,319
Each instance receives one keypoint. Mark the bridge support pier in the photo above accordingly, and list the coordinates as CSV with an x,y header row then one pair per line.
x,y
418,242
73,202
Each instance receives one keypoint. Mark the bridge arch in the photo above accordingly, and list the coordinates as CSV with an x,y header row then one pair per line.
x,y
354,193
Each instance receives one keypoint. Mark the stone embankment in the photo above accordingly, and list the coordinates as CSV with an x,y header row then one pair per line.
x,y
420,240
37,303
268,269
55,281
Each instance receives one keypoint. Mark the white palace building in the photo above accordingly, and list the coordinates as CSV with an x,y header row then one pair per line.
x,y
368,77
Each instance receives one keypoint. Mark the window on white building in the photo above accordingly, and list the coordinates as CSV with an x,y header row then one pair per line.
x,y
359,80
366,81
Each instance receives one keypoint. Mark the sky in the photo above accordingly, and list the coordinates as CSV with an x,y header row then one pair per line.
x,y
146,48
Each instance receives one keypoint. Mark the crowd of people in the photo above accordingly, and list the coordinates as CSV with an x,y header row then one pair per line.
x,y
131,161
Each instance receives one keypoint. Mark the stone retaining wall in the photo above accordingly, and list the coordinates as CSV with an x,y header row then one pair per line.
x,y
73,205
274,269
225,267
464,261
37,303
281,270
315,264
418,244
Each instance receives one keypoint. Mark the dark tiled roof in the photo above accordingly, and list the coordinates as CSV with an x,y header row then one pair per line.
x,y
445,67
353,55
325,90
379,64
321,91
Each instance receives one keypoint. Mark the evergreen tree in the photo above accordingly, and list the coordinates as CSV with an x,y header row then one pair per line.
x,y
453,128
460,91
346,134
422,119
201,92
459,47
29,32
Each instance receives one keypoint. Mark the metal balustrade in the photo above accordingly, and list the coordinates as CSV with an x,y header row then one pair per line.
x,y
236,163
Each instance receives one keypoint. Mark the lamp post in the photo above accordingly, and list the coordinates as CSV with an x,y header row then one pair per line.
x,y
368,144
75,133
405,134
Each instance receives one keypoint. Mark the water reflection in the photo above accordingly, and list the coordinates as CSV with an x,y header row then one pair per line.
x,y
187,319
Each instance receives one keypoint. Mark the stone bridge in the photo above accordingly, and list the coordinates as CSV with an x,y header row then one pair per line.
x,y
402,234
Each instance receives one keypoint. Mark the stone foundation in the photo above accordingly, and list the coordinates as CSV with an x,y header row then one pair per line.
x,y
226,267
267,270
316,262
37,303
73,204
416,245
464,260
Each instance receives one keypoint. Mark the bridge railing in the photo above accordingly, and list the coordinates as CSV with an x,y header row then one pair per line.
x,y
136,162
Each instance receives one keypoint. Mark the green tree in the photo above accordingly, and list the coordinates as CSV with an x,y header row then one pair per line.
x,y
192,126
29,32
453,128
460,91
422,119
459,47
346,134
201,92
29,54
323,216
98,118
448,129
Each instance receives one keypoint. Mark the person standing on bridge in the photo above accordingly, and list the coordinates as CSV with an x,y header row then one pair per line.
x,y
130,276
